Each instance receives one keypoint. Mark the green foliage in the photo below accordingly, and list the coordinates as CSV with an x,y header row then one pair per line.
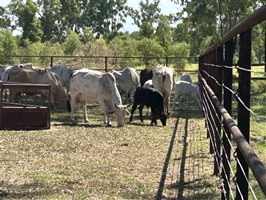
x,y
147,17
50,49
164,32
87,36
105,17
125,46
8,46
73,45
32,50
26,19
49,11
146,30
179,50
149,48
4,20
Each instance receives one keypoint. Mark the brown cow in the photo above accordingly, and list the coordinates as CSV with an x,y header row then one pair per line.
x,y
18,74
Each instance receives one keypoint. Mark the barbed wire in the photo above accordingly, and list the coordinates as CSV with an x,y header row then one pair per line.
x,y
234,66
235,94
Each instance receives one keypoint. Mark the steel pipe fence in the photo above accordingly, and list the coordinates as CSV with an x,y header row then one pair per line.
x,y
229,143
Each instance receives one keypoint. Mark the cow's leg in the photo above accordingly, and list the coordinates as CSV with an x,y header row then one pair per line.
x,y
134,107
197,100
107,120
167,105
165,99
153,117
72,106
85,112
140,112
174,101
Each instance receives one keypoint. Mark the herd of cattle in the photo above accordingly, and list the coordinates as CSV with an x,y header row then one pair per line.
x,y
152,88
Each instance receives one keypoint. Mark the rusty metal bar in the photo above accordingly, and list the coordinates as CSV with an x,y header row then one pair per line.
x,y
244,147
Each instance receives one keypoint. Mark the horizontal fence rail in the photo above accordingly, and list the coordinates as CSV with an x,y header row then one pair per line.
x,y
227,139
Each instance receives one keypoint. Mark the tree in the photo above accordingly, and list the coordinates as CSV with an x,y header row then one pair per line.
x,y
49,11
147,17
125,46
179,50
70,15
26,19
73,44
164,32
105,18
8,47
150,48
211,18
4,20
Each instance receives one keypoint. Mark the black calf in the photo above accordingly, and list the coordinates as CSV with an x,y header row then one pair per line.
x,y
151,98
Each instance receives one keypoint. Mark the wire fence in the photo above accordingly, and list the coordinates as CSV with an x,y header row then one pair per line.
x,y
229,143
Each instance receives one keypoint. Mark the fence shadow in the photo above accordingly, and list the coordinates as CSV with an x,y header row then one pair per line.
x,y
166,163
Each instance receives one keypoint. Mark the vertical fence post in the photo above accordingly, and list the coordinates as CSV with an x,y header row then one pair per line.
x,y
166,61
105,61
52,60
211,71
243,113
218,92
226,158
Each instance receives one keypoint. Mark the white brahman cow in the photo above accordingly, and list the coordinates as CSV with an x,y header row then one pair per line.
x,y
127,82
163,81
148,84
187,90
186,77
90,86
37,76
63,74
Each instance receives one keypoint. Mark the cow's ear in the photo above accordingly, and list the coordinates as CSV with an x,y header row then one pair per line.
x,y
117,106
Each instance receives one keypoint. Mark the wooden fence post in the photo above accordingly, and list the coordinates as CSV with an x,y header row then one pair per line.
x,y
226,154
243,113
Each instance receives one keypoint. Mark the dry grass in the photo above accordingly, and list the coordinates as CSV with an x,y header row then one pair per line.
x,y
81,161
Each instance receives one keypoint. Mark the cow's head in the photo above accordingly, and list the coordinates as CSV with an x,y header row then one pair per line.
x,y
162,116
121,112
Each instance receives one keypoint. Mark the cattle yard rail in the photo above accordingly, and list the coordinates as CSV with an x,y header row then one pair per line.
x,y
26,114
228,140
